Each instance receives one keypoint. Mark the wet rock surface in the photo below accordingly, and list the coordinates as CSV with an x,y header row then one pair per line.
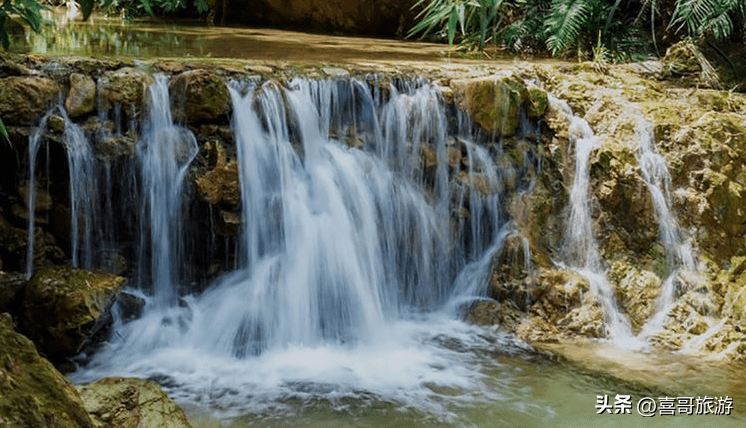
x,y
65,306
130,402
34,394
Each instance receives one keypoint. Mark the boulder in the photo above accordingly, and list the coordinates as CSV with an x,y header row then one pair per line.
x,y
199,96
64,306
81,99
131,403
34,394
127,88
494,102
24,99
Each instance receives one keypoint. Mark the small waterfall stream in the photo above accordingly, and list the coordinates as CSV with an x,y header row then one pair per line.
x,y
583,252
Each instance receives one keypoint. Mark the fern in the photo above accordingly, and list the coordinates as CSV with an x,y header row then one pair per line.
x,y
707,17
564,23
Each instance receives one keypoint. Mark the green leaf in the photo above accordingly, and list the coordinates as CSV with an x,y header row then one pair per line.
x,y
4,132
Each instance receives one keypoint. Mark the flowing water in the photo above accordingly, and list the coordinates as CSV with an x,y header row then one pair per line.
x,y
583,251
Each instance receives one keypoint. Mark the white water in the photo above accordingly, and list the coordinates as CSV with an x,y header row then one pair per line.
x,y
347,258
583,252
34,143
679,255
83,193
164,155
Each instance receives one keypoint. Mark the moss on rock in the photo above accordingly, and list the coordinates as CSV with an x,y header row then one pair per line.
x,y
64,307
131,403
32,393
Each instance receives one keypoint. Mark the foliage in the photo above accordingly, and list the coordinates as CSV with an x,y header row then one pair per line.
x,y
477,20
622,27
708,17
29,11
4,132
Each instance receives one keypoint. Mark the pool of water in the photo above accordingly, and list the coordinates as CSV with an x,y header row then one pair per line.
x,y
531,389
142,39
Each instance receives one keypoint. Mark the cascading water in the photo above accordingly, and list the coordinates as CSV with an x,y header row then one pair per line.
x,y
583,252
679,255
345,258
164,155
83,202
35,141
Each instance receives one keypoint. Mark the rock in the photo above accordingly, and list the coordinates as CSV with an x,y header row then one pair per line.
x,y
220,185
34,394
131,403
64,306
24,99
127,88
199,96
228,224
335,72
43,200
112,147
493,102
538,102
81,99
11,292
130,306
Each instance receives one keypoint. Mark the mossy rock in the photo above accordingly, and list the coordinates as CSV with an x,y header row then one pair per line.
x,y
64,306
539,101
23,99
32,393
494,102
126,87
131,403
199,96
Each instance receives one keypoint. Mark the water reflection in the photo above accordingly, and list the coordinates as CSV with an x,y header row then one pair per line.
x,y
61,36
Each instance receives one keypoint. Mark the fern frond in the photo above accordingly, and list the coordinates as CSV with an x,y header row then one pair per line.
x,y
564,23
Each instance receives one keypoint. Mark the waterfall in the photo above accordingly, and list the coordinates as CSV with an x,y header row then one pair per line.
x,y
583,251
678,252
83,193
164,155
347,256
33,149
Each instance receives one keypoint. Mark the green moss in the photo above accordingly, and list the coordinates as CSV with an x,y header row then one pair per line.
x,y
539,101
34,394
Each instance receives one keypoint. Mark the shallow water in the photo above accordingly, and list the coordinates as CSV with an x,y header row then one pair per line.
x,y
526,389
144,39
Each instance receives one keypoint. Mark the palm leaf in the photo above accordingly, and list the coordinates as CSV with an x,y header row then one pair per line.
x,y
4,132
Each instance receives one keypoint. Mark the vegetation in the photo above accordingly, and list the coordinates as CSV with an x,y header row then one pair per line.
x,y
619,28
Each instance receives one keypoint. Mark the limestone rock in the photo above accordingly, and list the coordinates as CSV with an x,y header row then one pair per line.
x,y
34,394
199,96
131,403
126,87
24,99
219,185
64,306
493,102
81,99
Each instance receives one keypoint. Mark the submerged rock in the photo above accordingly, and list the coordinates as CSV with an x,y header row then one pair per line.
x,y
131,403
34,394
64,306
